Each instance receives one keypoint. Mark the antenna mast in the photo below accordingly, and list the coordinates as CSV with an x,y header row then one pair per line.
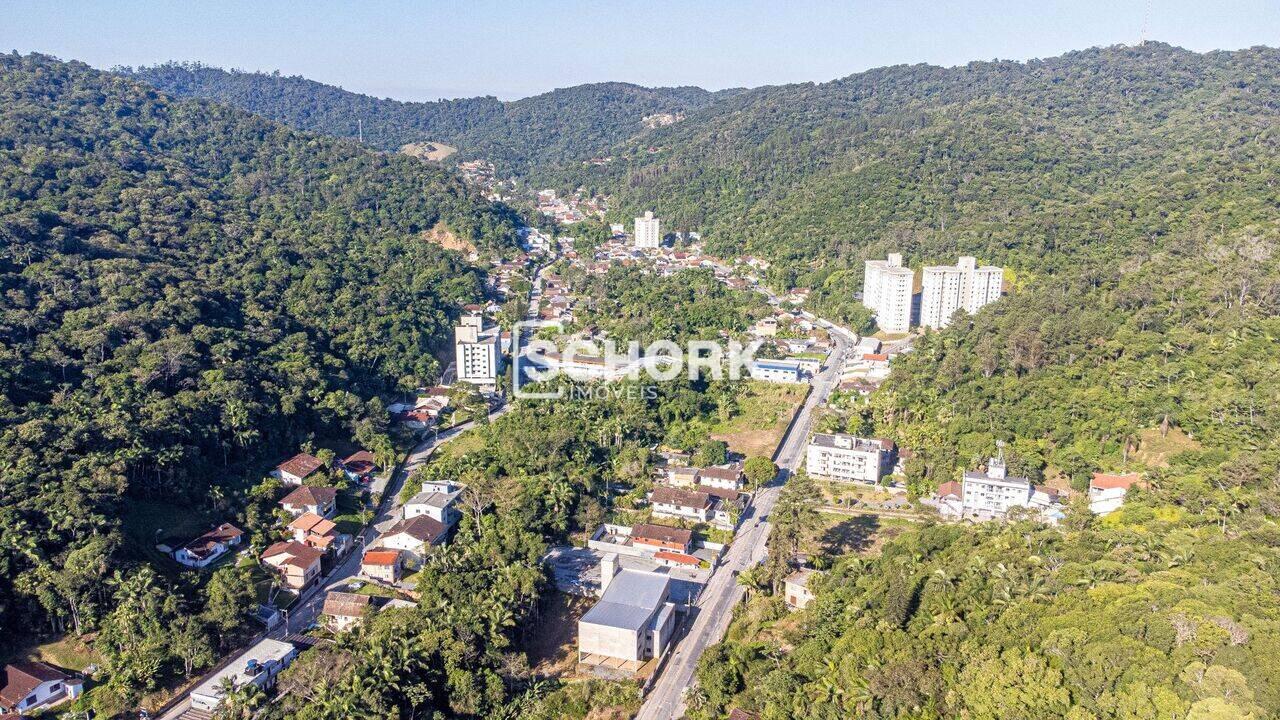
x,y
360,128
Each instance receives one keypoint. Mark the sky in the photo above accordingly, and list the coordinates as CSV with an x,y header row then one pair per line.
x,y
434,49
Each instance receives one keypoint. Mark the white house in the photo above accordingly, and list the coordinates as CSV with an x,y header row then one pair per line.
x,y
477,356
727,477
948,499
413,536
344,610
1107,492
439,505
992,493
845,457
633,620
948,288
306,499
648,231
210,546
297,468
796,590
682,504
258,666
26,686
779,371
887,289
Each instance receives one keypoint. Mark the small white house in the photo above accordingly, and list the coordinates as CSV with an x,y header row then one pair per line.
x,y
26,686
1107,492
204,550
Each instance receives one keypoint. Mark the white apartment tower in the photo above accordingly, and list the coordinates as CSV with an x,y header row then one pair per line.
x,y
648,231
993,493
948,288
887,288
476,351
845,457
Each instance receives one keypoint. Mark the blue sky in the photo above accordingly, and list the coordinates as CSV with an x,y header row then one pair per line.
x,y
427,50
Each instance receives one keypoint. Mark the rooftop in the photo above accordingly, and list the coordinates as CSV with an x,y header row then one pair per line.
x,y
663,533
300,465
846,442
630,600
307,495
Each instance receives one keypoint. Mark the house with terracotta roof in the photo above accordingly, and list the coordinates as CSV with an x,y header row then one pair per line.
x,y
661,537
207,548
297,564
320,533
948,499
297,468
26,686
384,565
1107,491
306,499
414,536
360,466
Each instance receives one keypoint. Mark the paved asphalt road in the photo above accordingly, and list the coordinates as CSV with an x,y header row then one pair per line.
x,y
714,608
307,609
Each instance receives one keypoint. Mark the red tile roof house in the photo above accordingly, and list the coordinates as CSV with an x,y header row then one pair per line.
x,y
661,537
414,536
297,564
297,468
209,547
319,500
384,565
319,533
360,466
25,686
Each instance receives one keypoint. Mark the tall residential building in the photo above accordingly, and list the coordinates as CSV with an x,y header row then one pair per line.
x,y
887,288
648,231
993,493
948,288
845,457
477,356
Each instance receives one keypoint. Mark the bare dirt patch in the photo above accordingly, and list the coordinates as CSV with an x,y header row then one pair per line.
x,y
432,151
445,238
552,643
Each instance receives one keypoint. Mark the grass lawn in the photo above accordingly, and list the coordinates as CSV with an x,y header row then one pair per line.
x,y
860,534
764,412
376,590
1155,451
148,522
461,445
69,653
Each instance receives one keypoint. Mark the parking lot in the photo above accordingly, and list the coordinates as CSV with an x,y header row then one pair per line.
x,y
576,571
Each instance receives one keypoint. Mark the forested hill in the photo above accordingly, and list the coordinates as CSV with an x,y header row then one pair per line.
x,y
567,124
1100,152
189,292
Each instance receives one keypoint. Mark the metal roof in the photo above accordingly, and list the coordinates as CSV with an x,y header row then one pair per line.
x,y
630,600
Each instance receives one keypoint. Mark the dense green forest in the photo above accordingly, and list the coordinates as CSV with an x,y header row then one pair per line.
x,y
189,292
571,124
631,303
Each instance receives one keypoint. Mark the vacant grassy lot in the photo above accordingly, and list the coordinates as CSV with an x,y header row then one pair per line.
x,y
764,412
